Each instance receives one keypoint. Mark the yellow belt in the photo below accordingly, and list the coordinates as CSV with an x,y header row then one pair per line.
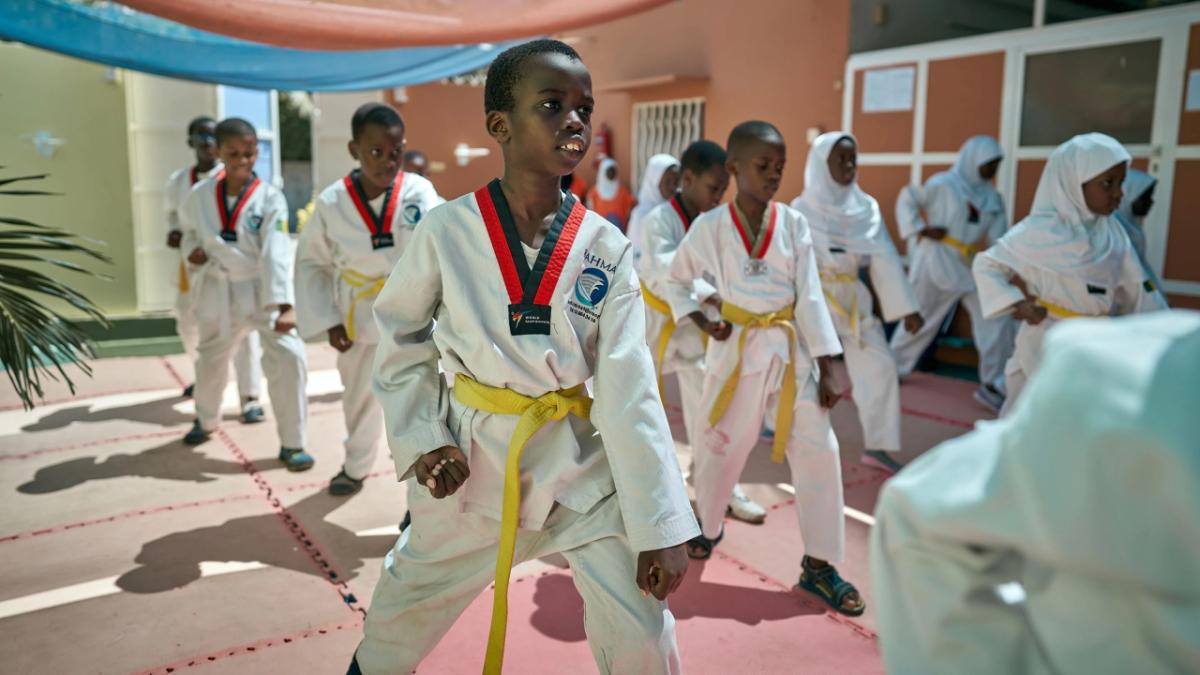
x,y
852,314
664,336
367,287
183,279
535,413
787,401
1060,312
967,251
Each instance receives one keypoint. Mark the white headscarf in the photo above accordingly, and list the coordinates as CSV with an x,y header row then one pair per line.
x,y
605,186
838,215
1136,184
1061,234
648,196
964,176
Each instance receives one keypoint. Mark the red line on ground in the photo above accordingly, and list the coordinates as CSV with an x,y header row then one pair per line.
x,y
89,444
171,370
127,515
307,541
324,483
251,647
937,418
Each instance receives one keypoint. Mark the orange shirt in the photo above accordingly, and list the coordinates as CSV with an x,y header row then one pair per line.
x,y
615,210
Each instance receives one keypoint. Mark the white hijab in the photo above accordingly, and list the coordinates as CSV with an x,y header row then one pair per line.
x,y
838,215
605,186
1061,234
965,178
1136,184
648,195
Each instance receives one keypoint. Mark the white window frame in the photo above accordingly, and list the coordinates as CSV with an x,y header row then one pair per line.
x,y
684,129
271,136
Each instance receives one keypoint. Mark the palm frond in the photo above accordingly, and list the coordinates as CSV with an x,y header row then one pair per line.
x,y
36,341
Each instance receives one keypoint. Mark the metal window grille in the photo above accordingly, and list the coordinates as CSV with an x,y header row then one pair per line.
x,y
664,126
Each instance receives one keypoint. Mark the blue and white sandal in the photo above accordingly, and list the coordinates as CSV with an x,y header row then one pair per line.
x,y
829,586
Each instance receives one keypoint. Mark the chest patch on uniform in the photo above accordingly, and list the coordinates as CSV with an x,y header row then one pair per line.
x,y
1096,290
836,249
412,213
1149,286
591,287
256,221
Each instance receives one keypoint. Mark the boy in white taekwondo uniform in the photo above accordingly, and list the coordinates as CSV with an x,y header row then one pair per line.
x,y
674,319
956,215
775,323
1069,258
357,232
235,227
1062,538
203,140
848,234
532,295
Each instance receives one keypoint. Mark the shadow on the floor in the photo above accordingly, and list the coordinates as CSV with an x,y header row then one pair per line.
x,y
173,561
559,613
171,461
160,411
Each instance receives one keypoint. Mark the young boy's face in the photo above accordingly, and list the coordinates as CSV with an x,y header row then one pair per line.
x,y
1102,194
843,162
238,154
549,128
380,152
758,168
704,190
204,141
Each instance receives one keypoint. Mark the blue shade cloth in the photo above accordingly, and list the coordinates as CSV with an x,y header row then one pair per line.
x,y
115,35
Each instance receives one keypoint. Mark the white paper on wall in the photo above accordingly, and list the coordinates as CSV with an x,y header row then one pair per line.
x,y
888,90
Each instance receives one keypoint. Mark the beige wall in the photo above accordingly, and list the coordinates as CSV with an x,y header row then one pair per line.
x,y
72,100
782,62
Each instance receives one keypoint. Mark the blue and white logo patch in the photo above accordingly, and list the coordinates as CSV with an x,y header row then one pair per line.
x,y
591,287
412,213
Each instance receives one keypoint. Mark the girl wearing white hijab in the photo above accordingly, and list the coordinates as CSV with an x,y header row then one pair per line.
x,y
1135,204
848,234
608,197
659,182
957,214
1069,258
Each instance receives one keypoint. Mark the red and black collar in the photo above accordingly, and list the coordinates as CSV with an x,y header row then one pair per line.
x,y
229,219
378,224
764,242
681,211
525,285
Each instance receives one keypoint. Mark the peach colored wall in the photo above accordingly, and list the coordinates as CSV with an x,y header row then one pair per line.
x,y
1189,122
963,99
927,170
881,131
1183,240
884,183
439,116
782,62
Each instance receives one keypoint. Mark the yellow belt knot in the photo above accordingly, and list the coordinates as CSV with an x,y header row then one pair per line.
x,y
664,336
534,413
1060,312
787,396
367,287
851,314
964,249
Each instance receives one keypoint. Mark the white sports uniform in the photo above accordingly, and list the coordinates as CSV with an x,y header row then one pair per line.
x,y
775,272
347,250
848,234
972,211
239,289
1062,538
596,498
649,197
246,361
1074,262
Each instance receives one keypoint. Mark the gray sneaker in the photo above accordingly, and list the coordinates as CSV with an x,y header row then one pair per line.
x,y
989,397
252,413
881,460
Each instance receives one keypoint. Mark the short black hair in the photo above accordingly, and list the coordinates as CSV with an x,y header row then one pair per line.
x,y
415,154
750,132
196,123
234,127
702,156
505,72
374,113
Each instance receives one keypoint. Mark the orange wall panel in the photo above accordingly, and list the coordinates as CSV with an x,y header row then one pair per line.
x,y
881,131
963,99
1183,239
1177,301
439,116
927,170
884,183
1029,172
1189,122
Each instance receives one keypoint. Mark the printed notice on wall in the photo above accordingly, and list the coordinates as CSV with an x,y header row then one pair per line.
x,y
888,90
1192,104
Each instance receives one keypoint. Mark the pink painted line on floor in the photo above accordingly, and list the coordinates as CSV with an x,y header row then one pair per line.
x,y
126,516
306,540
325,483
251,647
172,372
90,444
937,418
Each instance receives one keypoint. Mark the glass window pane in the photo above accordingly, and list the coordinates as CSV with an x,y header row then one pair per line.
x,y
252,105
264,166
1058,11
880,25
1107,89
